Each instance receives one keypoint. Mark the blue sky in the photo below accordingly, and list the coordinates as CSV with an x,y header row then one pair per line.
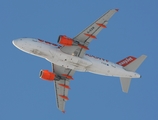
x,y
131,31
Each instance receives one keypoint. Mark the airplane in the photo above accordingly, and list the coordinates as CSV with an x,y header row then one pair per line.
x,y
70,56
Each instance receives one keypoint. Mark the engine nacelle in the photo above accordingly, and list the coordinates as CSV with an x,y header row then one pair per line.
x,y
46,75
64,40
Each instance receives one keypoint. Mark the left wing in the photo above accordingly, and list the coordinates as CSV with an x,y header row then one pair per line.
x,y
62,85
91,32
86,36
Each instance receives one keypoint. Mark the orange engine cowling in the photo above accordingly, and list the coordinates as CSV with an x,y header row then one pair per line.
x,y
46,75
64,40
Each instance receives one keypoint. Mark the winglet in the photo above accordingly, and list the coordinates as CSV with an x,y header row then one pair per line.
x,y
117,10
63,111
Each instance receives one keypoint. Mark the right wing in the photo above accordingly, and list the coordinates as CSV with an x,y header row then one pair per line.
x,y
86,36
61,85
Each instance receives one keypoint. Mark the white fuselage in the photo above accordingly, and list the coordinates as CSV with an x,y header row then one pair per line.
x,y
88,63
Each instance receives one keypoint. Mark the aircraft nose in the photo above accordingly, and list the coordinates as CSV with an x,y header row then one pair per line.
x,y
15,42
22,43
18,43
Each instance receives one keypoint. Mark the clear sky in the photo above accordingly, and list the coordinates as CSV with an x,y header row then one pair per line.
x,y
131,31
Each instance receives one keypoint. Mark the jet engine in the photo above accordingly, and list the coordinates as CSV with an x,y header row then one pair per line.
x,y
46,75
64,40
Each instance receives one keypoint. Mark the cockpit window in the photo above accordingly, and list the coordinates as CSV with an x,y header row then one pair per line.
x,y
41,40
34,40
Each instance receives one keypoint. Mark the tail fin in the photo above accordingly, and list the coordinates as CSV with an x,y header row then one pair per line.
x,y
126,61
131,64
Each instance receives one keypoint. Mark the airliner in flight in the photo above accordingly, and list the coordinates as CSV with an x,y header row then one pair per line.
x,y
69,56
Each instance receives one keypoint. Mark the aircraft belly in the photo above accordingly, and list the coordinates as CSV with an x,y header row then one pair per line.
x,y
108,71
98,69
126,74
34,49
65,60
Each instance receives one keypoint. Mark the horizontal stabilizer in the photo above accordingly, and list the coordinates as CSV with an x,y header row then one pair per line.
x,y
130,64
135,64
125,83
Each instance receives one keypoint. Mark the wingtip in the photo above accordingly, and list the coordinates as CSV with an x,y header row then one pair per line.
x,y
63,111
117,10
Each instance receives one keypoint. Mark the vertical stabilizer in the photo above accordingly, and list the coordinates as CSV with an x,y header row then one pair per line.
x,y
131,64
